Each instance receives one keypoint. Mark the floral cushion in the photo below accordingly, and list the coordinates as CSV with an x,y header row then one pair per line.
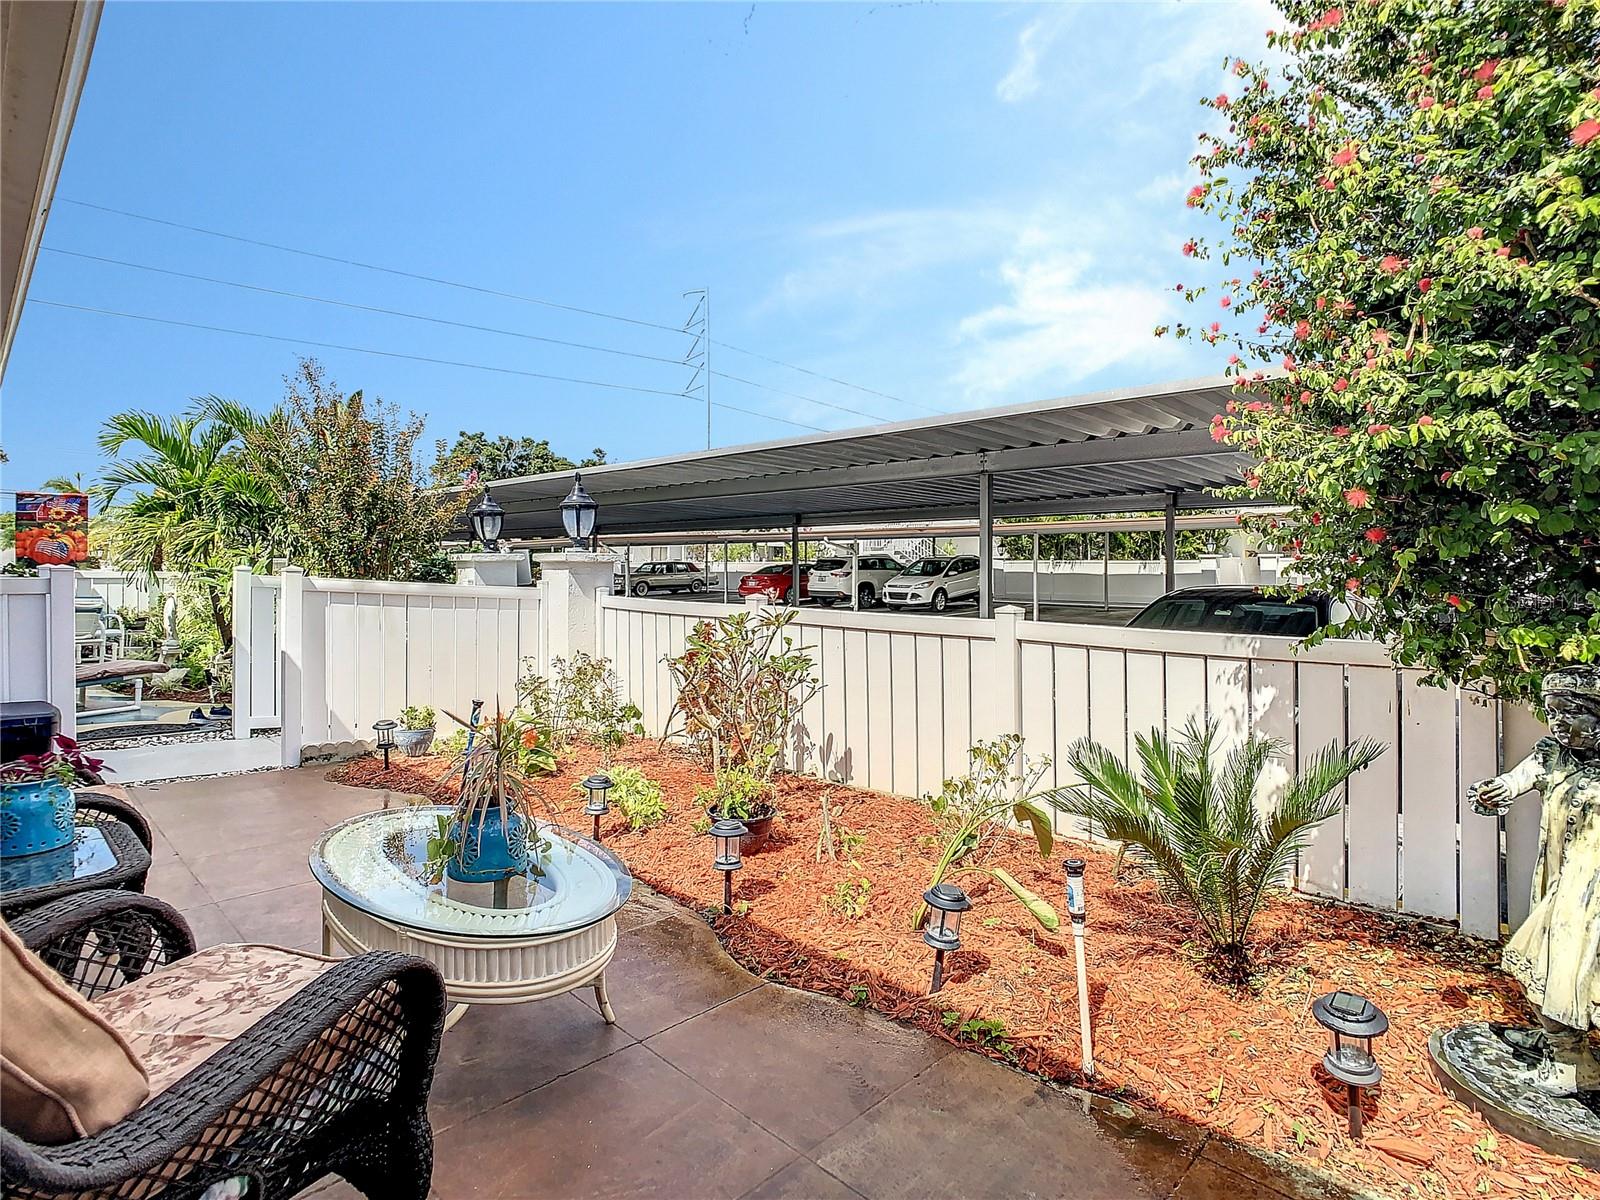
x,y
182,1015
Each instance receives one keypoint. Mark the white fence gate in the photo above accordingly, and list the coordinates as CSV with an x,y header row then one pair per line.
x,y
37,657
904,697
339,654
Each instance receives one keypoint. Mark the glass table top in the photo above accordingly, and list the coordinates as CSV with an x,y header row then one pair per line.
x,y
378,863
87,854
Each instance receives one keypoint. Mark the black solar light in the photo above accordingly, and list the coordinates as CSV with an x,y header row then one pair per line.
x,y
487,518
1079,912
1353,1023
598,787
943,931
578,512
727,832
386,730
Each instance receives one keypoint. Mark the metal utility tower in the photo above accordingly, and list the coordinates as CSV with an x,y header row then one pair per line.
x,y
698,327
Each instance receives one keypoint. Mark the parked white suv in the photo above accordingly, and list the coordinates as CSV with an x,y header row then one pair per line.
x,y
830,579
934,583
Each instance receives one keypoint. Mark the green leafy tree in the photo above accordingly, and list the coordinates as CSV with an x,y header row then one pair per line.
x,y
344,472
503,457
1136,544
179,495
1409,208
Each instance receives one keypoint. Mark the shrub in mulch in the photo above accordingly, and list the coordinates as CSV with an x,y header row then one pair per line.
x,y
1174,1030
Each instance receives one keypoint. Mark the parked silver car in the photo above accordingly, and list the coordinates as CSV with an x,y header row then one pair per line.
x,y
830,578
934,583
646,577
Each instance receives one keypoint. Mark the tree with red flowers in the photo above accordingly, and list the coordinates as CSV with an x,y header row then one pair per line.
x,y
1409,193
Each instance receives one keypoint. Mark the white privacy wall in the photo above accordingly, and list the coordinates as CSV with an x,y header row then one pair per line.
x,y
904,697
355,651
37,658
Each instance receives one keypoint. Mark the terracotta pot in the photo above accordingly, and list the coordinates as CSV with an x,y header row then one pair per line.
x,y
759,825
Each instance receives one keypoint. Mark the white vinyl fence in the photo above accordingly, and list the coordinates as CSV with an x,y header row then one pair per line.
x,y
125,589
350,652
37,657
904,697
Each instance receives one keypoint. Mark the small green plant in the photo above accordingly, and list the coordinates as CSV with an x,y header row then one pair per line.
x,y
984,1032
417,716
580,700
452,744
849,898
859,996
737,792
637,795
975,807
700,825
1195,819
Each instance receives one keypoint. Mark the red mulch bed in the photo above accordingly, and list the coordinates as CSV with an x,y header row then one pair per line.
x,y
1170,1031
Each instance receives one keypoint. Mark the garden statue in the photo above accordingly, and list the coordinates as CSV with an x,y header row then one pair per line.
x,y
1542,1084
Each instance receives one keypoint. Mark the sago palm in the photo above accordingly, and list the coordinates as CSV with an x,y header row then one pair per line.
x,y
1203,826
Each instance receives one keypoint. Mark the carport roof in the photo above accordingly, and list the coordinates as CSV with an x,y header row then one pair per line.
x,y
1116,451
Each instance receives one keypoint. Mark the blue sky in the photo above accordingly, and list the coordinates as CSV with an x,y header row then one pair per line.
x,y
954,205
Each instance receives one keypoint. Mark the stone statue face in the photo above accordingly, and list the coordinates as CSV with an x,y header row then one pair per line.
x,y
1574,722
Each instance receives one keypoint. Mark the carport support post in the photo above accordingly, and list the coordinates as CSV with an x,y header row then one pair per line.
x,y
855,572
985,544
1169,541
1105,570
724,571
1036,577
794,562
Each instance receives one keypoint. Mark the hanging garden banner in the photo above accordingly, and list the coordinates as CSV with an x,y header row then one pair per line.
x,y
52,527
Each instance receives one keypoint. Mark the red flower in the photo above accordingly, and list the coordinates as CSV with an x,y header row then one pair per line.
x,y
1305,397
1453,600
1375,430
1254,406
1486,72
1222,100
1376,534
1352,585
1346,155
1254,481
1476,233
1188,252
1424,284
1391,264
1226,301
1341,384
1196,194
1356,497
1233,360
1503,251
530,738
1425,102
1302,330
1486,92
1424,419
1218,433
1316,518
1341,431
1444,476
1586,132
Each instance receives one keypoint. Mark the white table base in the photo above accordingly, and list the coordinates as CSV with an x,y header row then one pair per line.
x,y
484,970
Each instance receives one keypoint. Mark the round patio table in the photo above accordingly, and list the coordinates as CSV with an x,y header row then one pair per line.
x,y
541,933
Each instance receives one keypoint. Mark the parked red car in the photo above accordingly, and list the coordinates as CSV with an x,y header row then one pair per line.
x,y
772,581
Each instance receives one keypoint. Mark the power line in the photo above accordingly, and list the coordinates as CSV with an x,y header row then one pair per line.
x,y
444,362
390,312
766,387
350,262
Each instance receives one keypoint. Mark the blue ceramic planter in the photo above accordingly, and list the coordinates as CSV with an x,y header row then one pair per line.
x,y
492,848
35,817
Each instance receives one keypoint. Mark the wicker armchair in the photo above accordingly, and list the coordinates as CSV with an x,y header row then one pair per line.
x,y
334,1081
96,807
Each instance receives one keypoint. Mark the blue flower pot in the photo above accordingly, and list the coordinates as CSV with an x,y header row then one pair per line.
x,y
35,817
492,848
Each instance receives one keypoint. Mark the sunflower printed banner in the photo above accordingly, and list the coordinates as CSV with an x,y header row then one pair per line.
x,y
52,527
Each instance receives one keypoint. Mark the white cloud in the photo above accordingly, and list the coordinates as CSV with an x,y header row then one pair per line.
x,y
1022,80
1187,43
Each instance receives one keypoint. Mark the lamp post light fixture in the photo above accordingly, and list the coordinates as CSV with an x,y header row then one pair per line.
x,y
1353,1023
487,517
943,931
578,513
386,730
726,832
598,787
1079,912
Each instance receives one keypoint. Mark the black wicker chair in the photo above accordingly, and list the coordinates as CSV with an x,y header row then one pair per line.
x,y
94,807
335,1081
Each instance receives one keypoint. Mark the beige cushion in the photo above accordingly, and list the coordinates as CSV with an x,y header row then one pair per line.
x,y
64,1071
183,1014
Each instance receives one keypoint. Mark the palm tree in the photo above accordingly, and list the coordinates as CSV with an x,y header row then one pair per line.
x,y
192,505
1198,826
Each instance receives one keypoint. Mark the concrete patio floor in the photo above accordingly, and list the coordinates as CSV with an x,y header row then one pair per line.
x,y
712,1084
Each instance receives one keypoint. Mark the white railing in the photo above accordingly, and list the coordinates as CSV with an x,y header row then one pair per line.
x,y
128,589
349,652
904,697
37,658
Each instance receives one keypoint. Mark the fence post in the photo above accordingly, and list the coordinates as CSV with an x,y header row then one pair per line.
x,y
241,651
291,651
1008,669
61,654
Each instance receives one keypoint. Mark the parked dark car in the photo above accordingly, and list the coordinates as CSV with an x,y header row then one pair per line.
x,y
1247,610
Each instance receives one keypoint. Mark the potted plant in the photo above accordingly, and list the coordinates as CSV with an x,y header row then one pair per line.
x,y
415,735
745,796
492,834
36,804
